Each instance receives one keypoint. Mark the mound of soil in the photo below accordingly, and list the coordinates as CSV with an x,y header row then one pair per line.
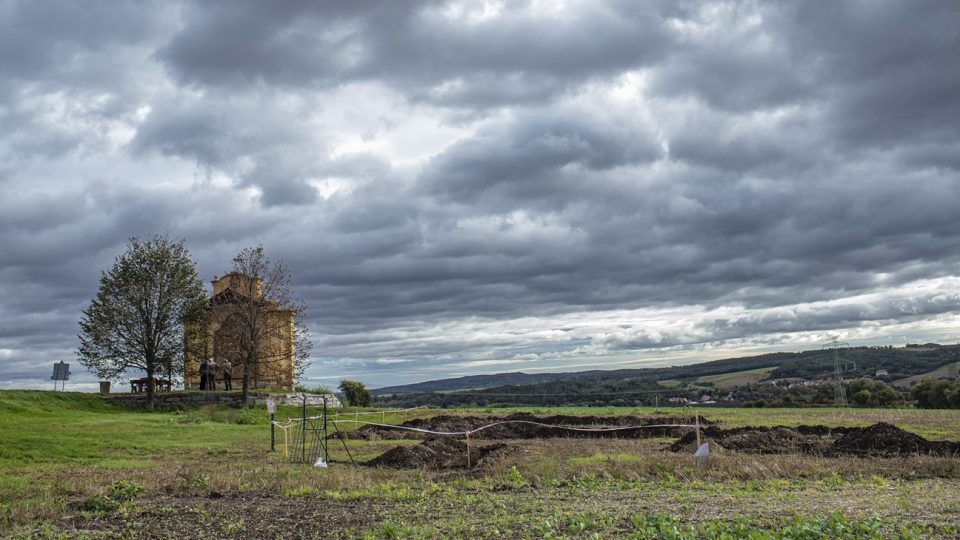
x,y
822,431
760,440
553,429
436,454
779,440
882,439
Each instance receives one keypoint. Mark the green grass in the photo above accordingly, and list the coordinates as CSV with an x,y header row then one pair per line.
x,y
589,505
726,381
47,429
604,459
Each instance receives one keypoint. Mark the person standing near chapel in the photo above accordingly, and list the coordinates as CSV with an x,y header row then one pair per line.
x,y
204,370
212,369
227,369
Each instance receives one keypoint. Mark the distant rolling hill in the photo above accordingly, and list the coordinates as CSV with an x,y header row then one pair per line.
x,y
948,371
899,362
475,382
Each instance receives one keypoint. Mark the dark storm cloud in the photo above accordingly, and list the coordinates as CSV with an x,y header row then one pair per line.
x,y
274,153
431,50
68,69
873,73
41,42
534,158
452,185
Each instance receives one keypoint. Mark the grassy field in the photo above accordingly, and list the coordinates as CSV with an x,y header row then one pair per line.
x,y
726,381
949,371
74,467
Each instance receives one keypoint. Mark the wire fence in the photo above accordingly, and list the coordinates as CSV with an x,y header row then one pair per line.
x,y
309,441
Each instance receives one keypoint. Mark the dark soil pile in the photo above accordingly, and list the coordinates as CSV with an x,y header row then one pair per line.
x,y
882,439
759,440
822,431
688,445
779,440
436,454
513,429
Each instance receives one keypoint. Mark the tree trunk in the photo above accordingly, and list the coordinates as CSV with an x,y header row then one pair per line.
x,y
150,388
246,384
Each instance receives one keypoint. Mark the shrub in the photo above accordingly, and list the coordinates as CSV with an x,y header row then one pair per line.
x,y
356,393
514,478
119,493
194,482
931,393
874,393
319,389
124,491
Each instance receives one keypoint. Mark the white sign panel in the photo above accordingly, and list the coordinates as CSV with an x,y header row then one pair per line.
x,y
271,406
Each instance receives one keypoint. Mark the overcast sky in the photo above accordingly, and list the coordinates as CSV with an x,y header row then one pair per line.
x,y
474,187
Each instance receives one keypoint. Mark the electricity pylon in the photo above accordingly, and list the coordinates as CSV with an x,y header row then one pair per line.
x,y
840,396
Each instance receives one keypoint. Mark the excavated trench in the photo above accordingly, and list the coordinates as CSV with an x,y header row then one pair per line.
x,y
450,452
528,426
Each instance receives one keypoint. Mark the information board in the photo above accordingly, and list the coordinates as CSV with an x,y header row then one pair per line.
x,y
61,372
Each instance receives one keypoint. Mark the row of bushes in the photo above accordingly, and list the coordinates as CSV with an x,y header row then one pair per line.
x,y
930,393
933,393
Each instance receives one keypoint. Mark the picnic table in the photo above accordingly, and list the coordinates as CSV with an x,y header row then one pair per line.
x,y
139,386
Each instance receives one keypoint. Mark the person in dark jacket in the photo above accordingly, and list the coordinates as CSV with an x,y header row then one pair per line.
x,y
204,370
227,368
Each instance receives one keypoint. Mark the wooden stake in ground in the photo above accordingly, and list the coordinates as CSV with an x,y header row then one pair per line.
x,y
468,449
697,424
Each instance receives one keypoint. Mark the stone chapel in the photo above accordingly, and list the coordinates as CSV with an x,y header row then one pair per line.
x,y
223,339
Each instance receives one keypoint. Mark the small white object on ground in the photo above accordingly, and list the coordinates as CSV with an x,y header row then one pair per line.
x,y
702,457
320,464
704,450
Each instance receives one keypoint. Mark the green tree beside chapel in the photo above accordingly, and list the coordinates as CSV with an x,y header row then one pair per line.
x,y
136,321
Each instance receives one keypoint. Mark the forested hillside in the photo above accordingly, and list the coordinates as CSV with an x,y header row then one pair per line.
x,y
634,387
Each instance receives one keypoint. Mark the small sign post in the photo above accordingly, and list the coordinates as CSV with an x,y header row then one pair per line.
x,y
272,409
61,372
